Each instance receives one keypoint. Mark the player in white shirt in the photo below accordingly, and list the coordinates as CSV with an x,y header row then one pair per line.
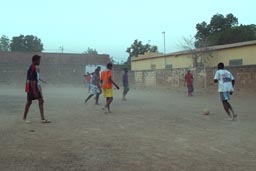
x,y
226,84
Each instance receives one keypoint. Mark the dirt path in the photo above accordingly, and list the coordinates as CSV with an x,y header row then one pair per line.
x,y
154,130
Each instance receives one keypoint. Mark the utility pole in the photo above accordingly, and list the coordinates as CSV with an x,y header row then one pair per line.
x,y
61,49
164,41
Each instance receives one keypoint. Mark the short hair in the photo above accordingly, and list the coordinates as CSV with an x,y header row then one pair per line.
x,y
220,65
109,65
35,58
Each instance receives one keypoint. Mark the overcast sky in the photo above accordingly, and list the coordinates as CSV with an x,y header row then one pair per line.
x,y
110,26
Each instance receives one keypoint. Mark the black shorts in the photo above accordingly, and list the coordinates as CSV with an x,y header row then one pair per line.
x,y
30,96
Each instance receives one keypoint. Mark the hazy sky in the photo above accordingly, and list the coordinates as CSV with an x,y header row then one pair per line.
x,y
110,26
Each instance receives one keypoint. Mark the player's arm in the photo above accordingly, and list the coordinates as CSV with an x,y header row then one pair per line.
x,y
216,77
43,80
110,79
233,83
89,74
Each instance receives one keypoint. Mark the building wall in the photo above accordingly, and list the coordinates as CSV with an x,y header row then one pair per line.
x,y
182,61
246,53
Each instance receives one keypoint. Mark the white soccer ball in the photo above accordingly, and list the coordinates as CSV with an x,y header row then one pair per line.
x,y
206,111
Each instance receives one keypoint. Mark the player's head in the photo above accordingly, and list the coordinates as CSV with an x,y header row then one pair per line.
x,y
188,71
99,68
220,65
36,59
109,66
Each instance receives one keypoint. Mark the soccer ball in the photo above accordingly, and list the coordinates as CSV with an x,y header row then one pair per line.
x,y
206,111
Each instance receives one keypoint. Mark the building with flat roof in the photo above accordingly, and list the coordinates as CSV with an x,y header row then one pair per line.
x,y
236,54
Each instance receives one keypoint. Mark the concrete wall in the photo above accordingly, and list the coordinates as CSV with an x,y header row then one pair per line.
x,y
56,68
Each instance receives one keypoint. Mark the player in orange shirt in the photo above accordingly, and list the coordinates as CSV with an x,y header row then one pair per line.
x,y
106,81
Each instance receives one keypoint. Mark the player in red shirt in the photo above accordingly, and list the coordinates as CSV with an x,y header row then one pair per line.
x,y
189,82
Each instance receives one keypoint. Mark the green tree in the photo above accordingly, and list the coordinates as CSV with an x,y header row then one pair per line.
x,y
91,51
28,43
223,30
137,48
4,43
237,34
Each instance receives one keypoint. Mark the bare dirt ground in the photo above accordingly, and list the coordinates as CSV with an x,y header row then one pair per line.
x,y
155,130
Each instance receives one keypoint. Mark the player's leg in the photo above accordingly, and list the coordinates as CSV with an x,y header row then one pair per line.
x,y
27,106
124,93
97,96
41,108
231,109
226,107
126,89
109,101
188,90
86,100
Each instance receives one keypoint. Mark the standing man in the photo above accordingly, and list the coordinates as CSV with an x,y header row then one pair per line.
x,y
33,88
95,86
106,81
226,83
125,83
189,81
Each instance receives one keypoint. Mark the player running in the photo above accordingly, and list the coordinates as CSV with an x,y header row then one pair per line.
x,y
95,88
226,83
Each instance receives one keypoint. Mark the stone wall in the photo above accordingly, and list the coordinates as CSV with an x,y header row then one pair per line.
x,y
245,77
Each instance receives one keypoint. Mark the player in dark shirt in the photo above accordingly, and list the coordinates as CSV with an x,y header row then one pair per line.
x,y
33,88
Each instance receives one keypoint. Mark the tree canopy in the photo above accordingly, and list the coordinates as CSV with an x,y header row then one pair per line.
x,y
28,43
4,43
138,48
223,30
91,51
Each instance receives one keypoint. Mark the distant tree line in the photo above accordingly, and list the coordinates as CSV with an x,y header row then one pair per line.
x,y
223,30
21,43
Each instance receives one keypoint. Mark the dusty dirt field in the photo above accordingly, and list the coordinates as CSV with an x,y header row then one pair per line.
x,y
155,130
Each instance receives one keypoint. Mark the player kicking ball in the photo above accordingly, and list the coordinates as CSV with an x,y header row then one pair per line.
x,y
95,86
226,83
106,82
